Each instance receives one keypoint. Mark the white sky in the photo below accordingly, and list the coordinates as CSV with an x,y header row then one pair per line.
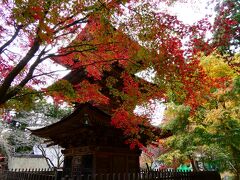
x,y
192,11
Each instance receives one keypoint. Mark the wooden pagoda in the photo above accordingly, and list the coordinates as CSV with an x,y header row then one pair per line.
x,y
91,144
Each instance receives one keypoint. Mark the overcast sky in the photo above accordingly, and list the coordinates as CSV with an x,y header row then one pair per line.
x,y
192,11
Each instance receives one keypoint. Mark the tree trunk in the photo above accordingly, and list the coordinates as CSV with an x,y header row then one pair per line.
x,y
193,163
237,176
236,159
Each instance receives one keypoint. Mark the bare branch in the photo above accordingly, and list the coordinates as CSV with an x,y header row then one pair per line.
x,y
48,160
11,39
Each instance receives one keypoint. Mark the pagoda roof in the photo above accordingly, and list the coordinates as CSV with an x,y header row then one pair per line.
x,y
88,125
82,127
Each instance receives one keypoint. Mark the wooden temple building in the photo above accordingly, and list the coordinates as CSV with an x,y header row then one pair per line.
x,y
91,144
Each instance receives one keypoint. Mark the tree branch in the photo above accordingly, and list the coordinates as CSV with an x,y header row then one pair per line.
x,y
82,20
28,77
68,53
11,39
48,160
35,92
16,70
47,73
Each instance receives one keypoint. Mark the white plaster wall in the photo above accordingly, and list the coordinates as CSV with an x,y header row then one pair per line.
x,y
26,163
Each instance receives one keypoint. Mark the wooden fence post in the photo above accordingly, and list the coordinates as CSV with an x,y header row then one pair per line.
x,y
58,174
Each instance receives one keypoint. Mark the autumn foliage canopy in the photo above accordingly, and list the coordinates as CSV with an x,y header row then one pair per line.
x,y
106,43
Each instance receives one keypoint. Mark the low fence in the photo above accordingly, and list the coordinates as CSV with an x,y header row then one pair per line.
x,y
161,175
29,174
153,175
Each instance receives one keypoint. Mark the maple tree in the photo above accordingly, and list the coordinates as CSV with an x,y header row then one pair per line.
x,y
211,134
34,28
214,128
105,43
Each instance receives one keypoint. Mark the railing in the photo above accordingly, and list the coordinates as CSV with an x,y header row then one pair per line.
x,y
144,175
